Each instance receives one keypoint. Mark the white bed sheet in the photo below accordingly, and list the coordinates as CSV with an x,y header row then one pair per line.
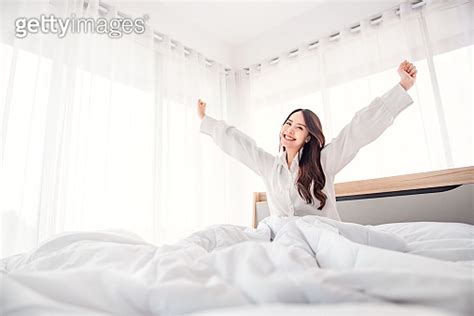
x,y
445,241
310,260
349,309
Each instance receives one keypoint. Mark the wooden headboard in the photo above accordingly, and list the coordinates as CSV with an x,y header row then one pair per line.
x,y
398,186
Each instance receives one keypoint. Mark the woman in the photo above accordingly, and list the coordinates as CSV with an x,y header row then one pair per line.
x,y
300,179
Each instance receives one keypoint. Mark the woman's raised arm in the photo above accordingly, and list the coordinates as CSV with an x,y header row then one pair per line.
x,y
235,143
370,122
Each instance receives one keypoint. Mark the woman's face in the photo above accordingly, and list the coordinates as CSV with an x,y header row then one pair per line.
x,y
294,133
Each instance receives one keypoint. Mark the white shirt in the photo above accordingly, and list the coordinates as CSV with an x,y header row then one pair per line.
x,y
279,180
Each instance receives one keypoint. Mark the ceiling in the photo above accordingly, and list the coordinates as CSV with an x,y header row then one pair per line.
x,y
238,33
236,22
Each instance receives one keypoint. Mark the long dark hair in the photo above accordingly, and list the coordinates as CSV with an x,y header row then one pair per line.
x,y
311,174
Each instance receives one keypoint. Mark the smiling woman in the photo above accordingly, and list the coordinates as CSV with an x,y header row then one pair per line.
x,y
302,131
294,186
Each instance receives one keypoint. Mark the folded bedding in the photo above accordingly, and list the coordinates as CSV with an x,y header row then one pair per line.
x,y
292,261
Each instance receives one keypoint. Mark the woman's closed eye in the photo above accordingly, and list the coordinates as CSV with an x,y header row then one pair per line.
x,y
301,128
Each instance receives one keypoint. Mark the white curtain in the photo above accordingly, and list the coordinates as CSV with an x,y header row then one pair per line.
x,y
101,133
342,74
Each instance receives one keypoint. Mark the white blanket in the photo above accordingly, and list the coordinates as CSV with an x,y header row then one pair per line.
x,y
286,260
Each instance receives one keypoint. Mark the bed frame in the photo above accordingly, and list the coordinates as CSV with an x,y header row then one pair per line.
x,y
435,196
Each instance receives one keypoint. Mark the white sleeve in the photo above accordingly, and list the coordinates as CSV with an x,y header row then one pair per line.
x,y
366,126
238,145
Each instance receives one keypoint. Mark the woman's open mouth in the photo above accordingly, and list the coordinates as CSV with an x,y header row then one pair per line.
x,y
288,137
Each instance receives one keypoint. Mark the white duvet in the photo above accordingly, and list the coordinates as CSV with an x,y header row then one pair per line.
x,y
303,261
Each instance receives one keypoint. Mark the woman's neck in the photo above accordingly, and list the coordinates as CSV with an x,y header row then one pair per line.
x,y
290,155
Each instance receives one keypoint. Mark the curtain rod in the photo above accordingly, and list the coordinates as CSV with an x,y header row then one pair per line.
x,y
104,9
375,19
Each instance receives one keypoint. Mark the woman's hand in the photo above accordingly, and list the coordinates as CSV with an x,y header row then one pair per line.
x,y
201,108
407,72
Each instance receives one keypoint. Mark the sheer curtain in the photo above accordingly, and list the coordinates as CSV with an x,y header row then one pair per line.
x,y
342,73
101,133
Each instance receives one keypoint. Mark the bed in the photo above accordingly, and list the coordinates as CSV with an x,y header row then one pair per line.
x,y
390,262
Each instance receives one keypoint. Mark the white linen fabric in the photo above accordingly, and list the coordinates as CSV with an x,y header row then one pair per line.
x,y
96,132
445,241
349,309
340,74
280,179
311,260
